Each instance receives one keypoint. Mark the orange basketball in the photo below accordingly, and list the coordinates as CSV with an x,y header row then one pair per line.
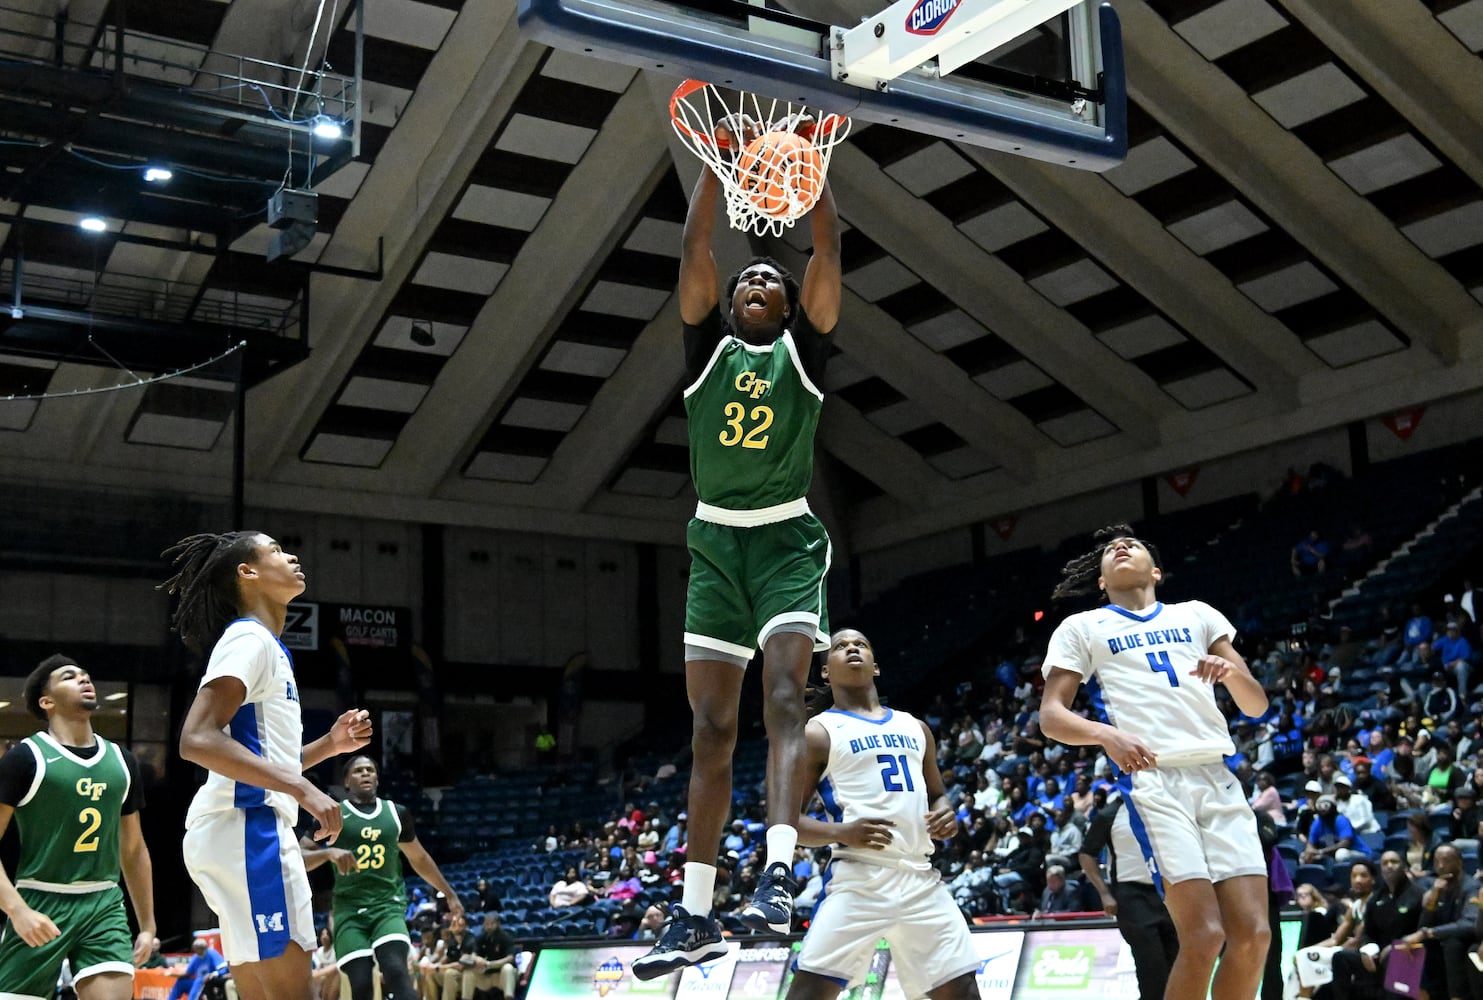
x,y
782,173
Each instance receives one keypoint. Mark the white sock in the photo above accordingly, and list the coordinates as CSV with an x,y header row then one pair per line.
x,y
700,888
781,839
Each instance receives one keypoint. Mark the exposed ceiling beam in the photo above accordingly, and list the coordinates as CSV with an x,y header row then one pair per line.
x,y
557,260
1415,63
468,89
1129,241
886,461
992,293
1273,168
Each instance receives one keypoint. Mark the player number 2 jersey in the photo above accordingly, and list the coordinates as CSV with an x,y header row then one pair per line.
x,y
875,771
69,820
1136,666
752,416
372,837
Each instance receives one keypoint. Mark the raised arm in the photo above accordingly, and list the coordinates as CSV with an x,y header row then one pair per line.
x,y
203,741
351,731
820,293
1223,665
699,286
139,877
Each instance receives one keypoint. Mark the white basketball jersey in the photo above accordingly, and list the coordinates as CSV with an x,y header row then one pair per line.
x,y
268,723
1136,666
875,772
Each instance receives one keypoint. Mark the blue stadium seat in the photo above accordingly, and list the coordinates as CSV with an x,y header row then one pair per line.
x,y
1316,874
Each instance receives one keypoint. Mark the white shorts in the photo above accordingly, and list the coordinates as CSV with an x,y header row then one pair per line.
x,y
248,866
862,903
1193,822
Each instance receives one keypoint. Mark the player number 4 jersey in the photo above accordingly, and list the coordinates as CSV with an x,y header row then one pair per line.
x,y
875,772
1136,666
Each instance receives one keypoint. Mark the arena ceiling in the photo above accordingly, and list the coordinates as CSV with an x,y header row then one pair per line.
x,y
1294,242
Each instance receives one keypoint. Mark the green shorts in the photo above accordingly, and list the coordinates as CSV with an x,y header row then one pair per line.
x,y
359,932
745,582
95,938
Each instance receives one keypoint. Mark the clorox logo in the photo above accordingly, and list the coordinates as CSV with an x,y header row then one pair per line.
x,y
928,16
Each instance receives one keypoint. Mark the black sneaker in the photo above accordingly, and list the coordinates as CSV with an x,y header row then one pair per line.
x,y
771,908
687,939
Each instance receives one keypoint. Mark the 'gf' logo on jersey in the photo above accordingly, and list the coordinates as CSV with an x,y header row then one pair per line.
x,y
88,788
749,383
370,833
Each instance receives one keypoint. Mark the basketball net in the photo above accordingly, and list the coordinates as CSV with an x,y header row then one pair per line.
x,y
766,191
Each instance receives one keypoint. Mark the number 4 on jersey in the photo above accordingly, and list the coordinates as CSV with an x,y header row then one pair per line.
x,y
1159,663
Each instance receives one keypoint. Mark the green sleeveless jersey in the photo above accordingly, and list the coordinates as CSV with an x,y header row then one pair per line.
x,y
753,413
69,819
372,837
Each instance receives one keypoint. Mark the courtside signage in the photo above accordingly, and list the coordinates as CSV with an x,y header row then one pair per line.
x,y
927,17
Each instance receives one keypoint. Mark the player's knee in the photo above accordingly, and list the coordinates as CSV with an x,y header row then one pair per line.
x,y
1203,940
1250,932
714,728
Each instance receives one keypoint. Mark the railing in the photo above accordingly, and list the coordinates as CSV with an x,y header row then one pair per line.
x,y
291,96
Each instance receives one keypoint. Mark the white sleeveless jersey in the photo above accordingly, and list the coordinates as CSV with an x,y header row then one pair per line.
x,y
269,722
1136,666
875,772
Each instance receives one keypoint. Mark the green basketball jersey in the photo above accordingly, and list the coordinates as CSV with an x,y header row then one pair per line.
x,y
753,413
69,819
372,837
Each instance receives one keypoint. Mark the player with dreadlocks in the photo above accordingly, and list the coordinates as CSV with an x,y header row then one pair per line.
x,y
245,728
1150,669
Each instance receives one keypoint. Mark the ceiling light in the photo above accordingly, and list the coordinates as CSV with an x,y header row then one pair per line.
x,y
93,224
4,704
157,175
116,696
326,127
421,334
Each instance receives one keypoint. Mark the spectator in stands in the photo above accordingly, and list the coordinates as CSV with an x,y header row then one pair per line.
x,y
1420,843
569,890
495,954
1310,555
1467,819
1331,837
1354,806
1440,703
1445,776
1267,798
675,838
739,839
1081,797
1059,895
1319,919
1448,925
326,971
1456,655
458,942
156,959
1418,630
626,887
1019,877
425,962
205,961
1356,551
1066,840
1307,808
651,924
972,882
1391,911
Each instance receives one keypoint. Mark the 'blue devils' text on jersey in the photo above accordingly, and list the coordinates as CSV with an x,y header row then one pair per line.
x,y
875,771
1137,664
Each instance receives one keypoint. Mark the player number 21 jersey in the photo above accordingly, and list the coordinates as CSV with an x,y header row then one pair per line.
x,y
875,771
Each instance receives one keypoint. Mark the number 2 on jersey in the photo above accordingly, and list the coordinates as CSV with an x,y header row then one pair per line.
x,y
895,766
1159,663
87,841
735,433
